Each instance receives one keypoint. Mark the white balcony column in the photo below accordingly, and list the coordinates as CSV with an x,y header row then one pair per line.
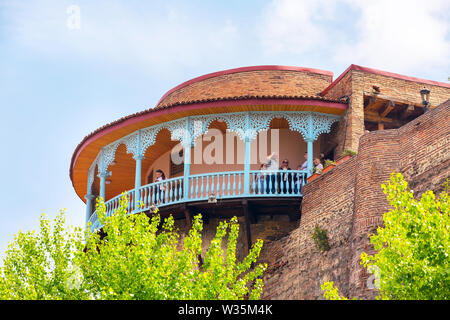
x,y
310,155
187,142
138,157
247,155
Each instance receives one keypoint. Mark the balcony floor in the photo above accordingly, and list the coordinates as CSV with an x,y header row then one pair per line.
x,y
227,208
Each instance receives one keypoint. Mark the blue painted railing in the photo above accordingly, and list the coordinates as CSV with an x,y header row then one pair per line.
x,y
218,185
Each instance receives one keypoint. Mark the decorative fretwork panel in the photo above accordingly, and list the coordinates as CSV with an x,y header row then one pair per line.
x,y
246,125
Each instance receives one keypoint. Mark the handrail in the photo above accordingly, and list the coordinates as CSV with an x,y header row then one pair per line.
x,y
209,186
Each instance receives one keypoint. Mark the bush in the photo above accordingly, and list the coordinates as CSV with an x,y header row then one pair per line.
x,y
349,152
320,238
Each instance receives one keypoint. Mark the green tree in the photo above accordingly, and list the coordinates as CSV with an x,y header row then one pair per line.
x,y
132,258
331,292
41,265
413,247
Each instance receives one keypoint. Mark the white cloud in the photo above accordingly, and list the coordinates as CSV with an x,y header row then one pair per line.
x,y
402,35
294,26
153,38
406,36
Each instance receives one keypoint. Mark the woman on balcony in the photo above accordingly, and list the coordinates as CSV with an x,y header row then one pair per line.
x,y
285,178
160,189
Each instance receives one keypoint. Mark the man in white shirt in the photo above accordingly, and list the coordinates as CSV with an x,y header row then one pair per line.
x,y
272,168
305,164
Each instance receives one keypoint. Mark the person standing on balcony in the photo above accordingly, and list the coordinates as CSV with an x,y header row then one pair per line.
x,y
304,166
160,188
261,177
317,166
272,167
285,178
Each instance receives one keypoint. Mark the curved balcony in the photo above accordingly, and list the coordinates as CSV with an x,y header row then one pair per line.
x,y
209,187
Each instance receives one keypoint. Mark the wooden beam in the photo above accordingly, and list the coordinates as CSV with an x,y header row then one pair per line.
x,y
375,117
396,100
409,109
372,103
387,108
380,126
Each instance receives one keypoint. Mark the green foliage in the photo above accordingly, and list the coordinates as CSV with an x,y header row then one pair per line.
x,y
349,152
329,162
413,246
446,186
133,258
320,237
41,265
331,292
412,259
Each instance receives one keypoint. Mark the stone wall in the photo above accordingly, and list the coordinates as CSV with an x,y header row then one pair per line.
x,y
349,203
357,81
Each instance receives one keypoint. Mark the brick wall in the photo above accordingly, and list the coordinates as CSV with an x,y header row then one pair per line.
x,y
297,268
349,203
355,82
264,82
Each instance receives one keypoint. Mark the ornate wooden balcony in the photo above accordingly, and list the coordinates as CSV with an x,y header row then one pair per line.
x,y
209,187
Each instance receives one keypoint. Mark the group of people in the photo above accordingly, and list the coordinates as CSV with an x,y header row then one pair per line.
x,y
285,182
271,179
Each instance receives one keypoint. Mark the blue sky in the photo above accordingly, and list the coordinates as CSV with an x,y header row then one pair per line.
x,y
58,84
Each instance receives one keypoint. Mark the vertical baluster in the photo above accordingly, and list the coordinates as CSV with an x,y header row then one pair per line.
x,y
192,187
303,181
223,185
201,188
195,193
170,191
233,188
263,191
154,195
291,182
252,176
207,186
213,184
228,184
240,183
276,183
218,186
166,193
272,179
150,190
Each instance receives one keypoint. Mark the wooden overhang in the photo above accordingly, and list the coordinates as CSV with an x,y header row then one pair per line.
x,y
383,112
86,152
